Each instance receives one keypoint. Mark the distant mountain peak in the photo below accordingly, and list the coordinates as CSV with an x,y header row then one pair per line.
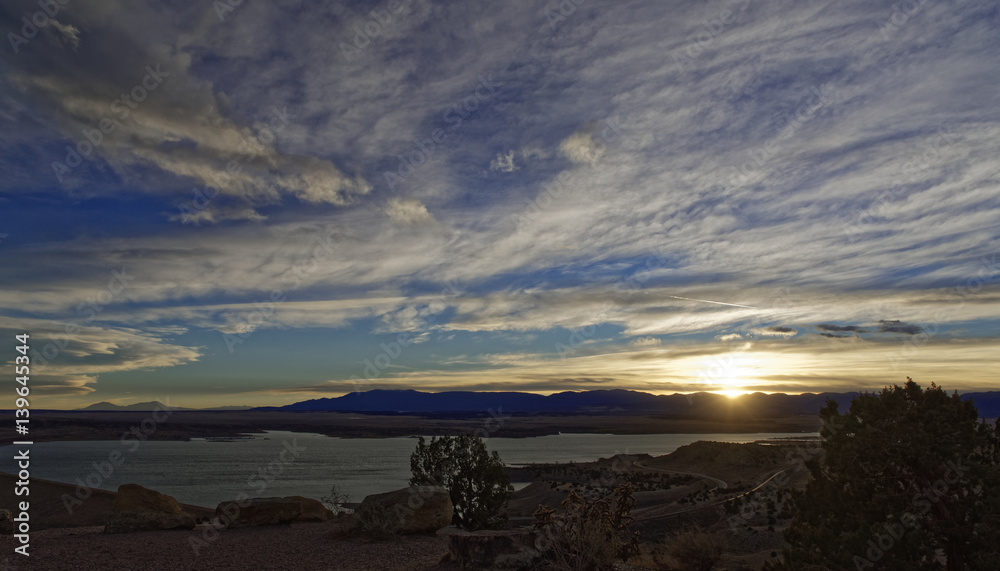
x,y
139,406
105,406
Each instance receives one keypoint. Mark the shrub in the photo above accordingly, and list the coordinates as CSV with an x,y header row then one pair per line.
x,y
695,550
377,523
335,500
588,535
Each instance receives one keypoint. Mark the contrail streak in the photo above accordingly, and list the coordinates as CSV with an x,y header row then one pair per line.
x,y
710,301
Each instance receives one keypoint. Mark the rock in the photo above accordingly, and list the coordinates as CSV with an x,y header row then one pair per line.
x,y
252,512
417,509
127,522
140,509
312,510
494,549
6,523
135,498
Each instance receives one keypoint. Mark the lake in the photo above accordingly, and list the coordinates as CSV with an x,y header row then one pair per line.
x,y
285,463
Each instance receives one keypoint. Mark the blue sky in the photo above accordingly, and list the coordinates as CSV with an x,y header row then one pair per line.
x,y
286,200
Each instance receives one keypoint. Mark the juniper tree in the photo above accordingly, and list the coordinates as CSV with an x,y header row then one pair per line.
x,y
475,479
908,480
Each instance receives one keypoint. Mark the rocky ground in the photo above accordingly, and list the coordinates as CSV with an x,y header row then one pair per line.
x,y
303,546
60,540
689,491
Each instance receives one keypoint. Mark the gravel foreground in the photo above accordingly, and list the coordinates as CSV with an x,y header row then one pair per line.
x,y
298,546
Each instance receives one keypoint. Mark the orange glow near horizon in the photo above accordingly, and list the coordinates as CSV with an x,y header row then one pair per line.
x,y
732,393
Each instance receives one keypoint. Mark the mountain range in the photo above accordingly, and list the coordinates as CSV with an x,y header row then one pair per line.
x,y
105,406
616,401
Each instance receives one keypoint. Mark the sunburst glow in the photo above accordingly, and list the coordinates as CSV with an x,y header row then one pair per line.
x,y
733,393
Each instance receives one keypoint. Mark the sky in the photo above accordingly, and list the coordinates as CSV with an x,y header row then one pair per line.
x,y
257,203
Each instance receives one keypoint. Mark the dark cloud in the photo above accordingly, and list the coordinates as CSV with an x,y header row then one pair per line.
x,y
841,328
782,330
834,335
883,326
896,326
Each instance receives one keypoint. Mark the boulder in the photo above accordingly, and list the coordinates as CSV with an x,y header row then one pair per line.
x,y
135,498
312,510
494,549
253,512
6,523
140,509
416,509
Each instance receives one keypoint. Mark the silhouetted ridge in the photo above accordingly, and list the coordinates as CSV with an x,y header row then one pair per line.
x,y
613,401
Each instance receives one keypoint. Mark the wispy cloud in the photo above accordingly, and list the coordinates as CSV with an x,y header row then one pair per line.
x,y
621,131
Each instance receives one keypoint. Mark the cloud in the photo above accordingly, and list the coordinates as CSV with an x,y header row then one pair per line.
x,y
67,385
504,163
646,342
839,328
407,211
160,118
70,34
581,147
782,330
69,357
891,177
882,326
793,367
896,326
775,331
217,213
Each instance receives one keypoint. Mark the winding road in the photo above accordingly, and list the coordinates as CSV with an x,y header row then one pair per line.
x,y
719,484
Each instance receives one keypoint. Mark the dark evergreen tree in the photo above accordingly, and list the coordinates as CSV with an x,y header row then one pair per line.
x,y
476,479
908,480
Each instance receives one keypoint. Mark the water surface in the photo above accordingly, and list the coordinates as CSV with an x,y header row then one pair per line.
x,y
286,463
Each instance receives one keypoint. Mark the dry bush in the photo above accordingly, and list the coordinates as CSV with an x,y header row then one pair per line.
x,y
588,535
694,550
335,500
376,523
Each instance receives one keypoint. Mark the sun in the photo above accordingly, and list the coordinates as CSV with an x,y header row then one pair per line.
x,y
732,375
734,382
733,393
